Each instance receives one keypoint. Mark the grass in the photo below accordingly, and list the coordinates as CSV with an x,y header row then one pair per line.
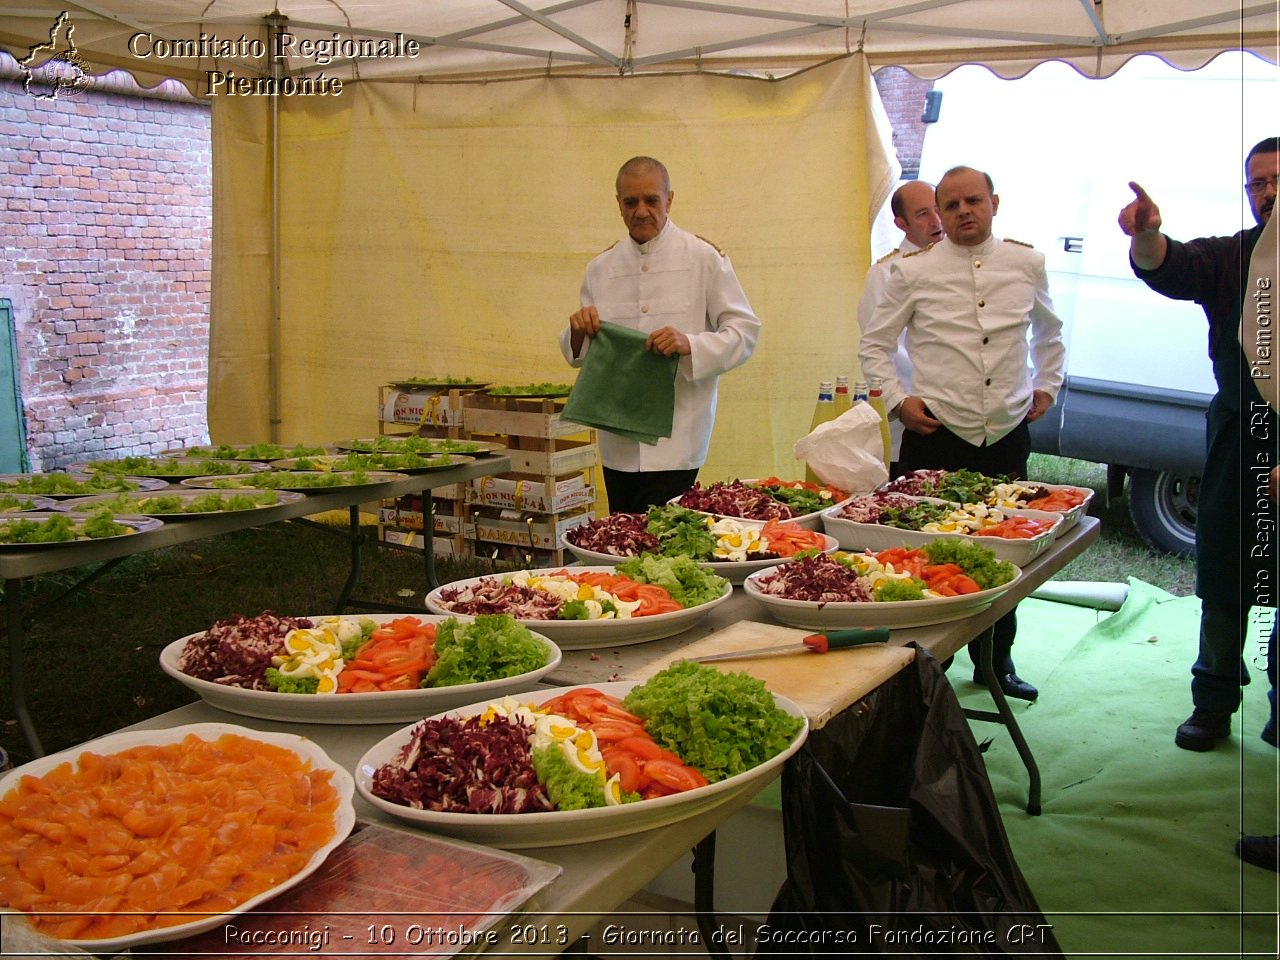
x,y
91,656
1120,553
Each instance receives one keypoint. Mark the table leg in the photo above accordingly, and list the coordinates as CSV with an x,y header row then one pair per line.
x,y
357,549
428,538
1005,716
704,889
13,601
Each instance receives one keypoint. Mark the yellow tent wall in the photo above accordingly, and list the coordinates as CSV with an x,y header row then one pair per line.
x,y
443,229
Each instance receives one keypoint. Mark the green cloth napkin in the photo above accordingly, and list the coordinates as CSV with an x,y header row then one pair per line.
x,y
624,388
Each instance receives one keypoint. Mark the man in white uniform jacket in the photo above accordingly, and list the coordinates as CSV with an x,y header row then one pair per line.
x,y
916,214
967,304
682,292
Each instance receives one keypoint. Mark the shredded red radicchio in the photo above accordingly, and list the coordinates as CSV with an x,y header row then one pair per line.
x,y
917,483
735,499
819,579
871,507
458,766
237,651
619,534
491,595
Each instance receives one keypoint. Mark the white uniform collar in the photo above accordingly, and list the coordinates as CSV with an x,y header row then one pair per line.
x,y
980,250
652,246
906,246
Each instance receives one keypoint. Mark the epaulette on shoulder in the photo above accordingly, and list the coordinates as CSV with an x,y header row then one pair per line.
x,y
889,256
1020,243
711,245
916,253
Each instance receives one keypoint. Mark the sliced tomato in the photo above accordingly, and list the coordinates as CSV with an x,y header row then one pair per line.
x,y
643,747
612,731
611,708
677,776
631,776
655,790
405,681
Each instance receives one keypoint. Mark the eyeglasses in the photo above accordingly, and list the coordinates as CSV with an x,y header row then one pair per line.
x,y
1258,185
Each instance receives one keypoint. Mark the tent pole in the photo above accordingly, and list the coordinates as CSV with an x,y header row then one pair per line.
x,y
275,26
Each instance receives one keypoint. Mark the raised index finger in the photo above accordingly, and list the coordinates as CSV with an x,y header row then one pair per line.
x,y
1138,191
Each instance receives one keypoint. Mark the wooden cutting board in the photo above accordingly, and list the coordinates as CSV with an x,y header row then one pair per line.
x,y
820,684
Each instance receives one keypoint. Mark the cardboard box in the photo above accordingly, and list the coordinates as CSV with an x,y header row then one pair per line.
x,y
543,533
441,546
513,493
412,520
423,408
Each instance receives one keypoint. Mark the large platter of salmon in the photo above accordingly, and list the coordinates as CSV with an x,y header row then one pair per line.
x,y
153,835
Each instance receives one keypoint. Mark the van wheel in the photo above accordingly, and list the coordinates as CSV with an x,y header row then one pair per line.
x,y
1163,507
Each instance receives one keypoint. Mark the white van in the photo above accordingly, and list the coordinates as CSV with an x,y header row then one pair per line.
x,y
1061,150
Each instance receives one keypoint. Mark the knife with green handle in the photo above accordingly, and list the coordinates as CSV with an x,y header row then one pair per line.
x,y
814,643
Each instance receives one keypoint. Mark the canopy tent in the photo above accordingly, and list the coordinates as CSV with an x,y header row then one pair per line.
x,y
429,220
468,39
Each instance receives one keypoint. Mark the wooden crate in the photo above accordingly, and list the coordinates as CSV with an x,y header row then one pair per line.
x,y
517,416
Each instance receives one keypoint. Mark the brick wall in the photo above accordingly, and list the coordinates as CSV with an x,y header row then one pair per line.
x,y
903,96
105,219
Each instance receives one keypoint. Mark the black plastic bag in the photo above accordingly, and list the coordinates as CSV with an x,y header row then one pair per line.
x,y
894,839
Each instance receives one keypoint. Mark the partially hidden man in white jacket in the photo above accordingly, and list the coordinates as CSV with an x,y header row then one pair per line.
x,y
915,213
682,292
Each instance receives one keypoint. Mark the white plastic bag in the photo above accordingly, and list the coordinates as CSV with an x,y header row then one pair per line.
x,y
846,452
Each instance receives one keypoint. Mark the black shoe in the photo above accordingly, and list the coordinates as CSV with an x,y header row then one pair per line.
x,y
1260,851
1203,729
1268,734
1012,685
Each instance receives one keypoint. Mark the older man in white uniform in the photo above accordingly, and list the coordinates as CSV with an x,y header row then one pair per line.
x,y
967,304
682,292
916,214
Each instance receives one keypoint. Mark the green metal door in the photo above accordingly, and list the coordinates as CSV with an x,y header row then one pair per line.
x,y
13,428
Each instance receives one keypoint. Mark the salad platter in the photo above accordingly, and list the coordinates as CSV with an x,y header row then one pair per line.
x,y
407,463
382,706
532,391
179,503
515,831
735,571
298,481
968,486
24,503
428,446
308,756
57,485
586,634
1070,515
247,451
169,468
853,535
19,530
447,383
812,615
748,501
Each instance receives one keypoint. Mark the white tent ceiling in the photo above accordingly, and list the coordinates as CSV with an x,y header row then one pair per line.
x,y
473,39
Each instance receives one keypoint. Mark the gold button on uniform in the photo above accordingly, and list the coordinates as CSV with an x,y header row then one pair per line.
x,y
645,268
982,303
644,309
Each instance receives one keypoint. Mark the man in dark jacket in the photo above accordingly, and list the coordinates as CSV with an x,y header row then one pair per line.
x,y
1235,523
